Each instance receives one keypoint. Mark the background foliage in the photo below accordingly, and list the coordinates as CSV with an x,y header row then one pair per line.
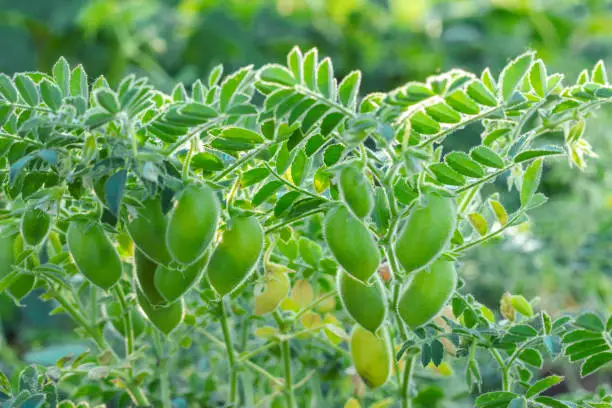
x,y
562,256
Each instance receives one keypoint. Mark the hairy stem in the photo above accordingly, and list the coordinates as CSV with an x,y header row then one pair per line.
x,y
243,160
247,363
490,235
406,381
93,301
286,354
293,186
231,357
133,390
292,220
396,367
286,357
467,199
95,335
396,284
165,396
504,369
187,163
314,303
127,322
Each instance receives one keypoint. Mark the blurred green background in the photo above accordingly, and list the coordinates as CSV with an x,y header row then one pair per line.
x,y
564,255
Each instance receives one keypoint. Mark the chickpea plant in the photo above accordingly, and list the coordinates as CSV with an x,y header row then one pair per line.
x,y
278,220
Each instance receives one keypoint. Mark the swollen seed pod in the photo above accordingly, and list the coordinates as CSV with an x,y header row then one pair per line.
x,y
174,283
427,293
22,285
11,245
7,252
426,232
277,289
94,254
192,224
236,255
371,356
364,303
148,231
35,226
356,191
521,305
164,318
351,243
145,270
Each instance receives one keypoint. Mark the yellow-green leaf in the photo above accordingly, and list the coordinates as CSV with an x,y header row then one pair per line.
x,y
499,211
479,223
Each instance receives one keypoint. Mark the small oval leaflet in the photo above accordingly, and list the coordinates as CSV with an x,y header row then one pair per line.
x,y
486,156
464,164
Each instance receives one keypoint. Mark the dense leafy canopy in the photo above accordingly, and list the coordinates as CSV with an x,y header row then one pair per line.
x,y
112,165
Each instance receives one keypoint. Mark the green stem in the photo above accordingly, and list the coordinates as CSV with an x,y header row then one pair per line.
x,y
247,363
243,160
163,371
127,322
519,350
458,126
394,267
305,91
292,220
286,354
78,317
315,302
138,396
133,141
187,162
245,356
395,362
133,390
324,345
263,372
395,220
467,199
485,179
93,291
398,319
286,357
194,132
406,381
490,235
4,135
33,108
231,357
293,186
504,368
